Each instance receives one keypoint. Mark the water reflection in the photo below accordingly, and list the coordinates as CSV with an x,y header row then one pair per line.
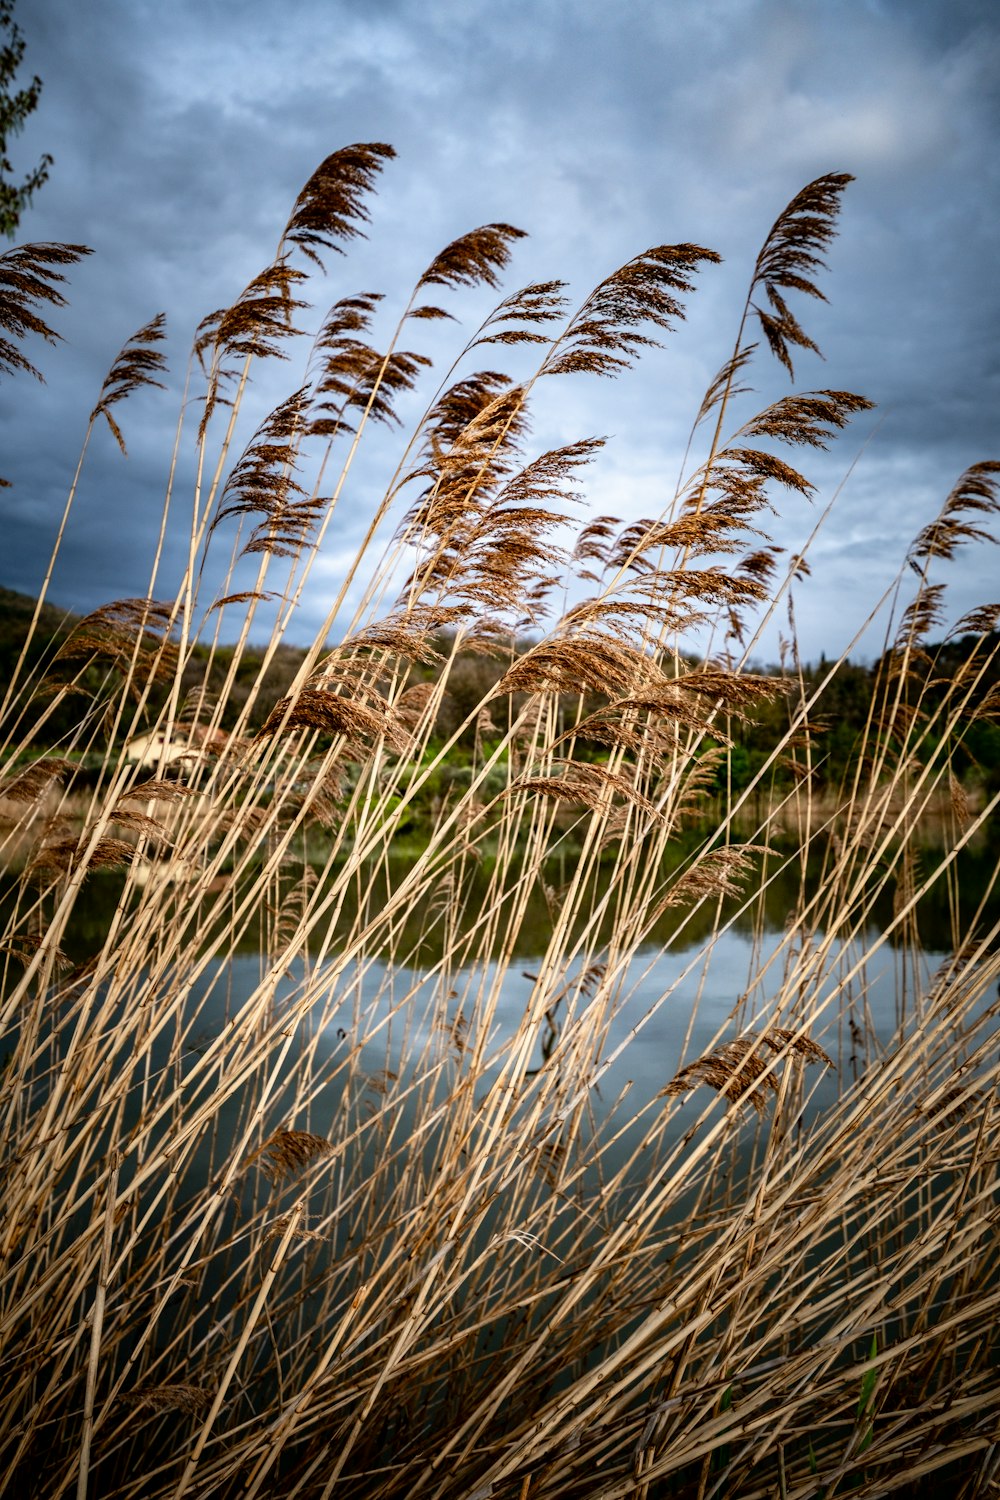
x,y
950,906
703,973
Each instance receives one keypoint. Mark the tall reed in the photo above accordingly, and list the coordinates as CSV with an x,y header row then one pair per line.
x,y
348,1232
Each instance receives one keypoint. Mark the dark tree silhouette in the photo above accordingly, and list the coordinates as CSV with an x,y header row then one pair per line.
x,y
15,107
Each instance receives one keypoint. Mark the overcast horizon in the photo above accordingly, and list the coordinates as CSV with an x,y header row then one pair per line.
x,y
182,134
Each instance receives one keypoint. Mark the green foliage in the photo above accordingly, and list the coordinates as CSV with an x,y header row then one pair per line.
x,y
15,107
868,1381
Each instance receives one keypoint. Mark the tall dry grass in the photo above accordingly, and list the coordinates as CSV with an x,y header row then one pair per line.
x,y
351,1235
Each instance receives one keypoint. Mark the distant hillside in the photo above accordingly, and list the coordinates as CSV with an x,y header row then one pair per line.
x,y
16,609
57,625
837,723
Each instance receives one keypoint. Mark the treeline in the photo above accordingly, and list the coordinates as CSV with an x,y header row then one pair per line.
x,y
72,663
843,705
852,713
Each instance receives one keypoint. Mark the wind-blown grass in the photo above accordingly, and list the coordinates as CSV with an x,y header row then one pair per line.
x,y
357,1240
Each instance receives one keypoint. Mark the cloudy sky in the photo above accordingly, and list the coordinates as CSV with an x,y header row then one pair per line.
x,y
181,134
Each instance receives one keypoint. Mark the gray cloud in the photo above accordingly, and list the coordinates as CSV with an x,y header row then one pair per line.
x,y
181,134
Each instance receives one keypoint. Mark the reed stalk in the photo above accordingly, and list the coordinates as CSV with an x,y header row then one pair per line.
x,y
313,1188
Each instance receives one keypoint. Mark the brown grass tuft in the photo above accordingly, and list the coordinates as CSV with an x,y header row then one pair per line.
x,y
136,366
740,1069
287,1152
29,279
331,208
32,784
179,1396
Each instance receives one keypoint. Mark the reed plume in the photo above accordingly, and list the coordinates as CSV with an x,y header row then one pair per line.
x,y
333,981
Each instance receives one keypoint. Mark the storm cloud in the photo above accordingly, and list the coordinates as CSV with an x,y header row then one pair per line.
x,y
182,133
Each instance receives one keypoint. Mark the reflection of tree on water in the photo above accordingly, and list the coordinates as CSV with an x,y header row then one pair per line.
x,y
549,1036
784,879
585,986
945,907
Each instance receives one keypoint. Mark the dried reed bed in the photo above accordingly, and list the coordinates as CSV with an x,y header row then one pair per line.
x,y
356,1237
